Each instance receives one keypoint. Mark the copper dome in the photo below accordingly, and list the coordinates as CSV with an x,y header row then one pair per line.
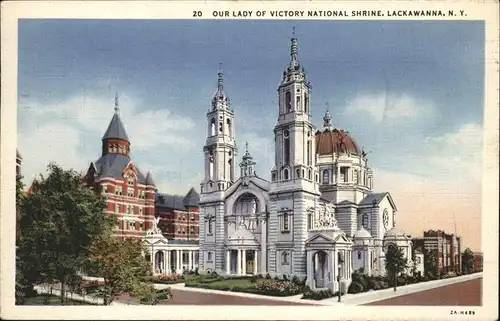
x,y
331,141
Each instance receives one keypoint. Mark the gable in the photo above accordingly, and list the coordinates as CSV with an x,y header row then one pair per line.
x,y
319,239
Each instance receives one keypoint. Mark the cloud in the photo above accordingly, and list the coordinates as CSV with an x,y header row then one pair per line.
x,y
69,133
459,152
387,107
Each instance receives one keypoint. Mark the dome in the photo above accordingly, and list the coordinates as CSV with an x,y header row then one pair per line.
x,y
395,232
330,141
362,234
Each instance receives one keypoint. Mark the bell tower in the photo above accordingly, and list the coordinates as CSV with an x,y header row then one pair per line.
x,y
294,132
294,184
220,146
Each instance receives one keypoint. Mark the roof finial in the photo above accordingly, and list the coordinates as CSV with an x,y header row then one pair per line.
x,y
220,80
293,48
117,109
246,147
327,118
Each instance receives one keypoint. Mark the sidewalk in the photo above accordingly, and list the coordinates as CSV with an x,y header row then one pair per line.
x,y
373,296
76,296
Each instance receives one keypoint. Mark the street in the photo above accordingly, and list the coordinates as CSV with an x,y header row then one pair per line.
x,y
468,293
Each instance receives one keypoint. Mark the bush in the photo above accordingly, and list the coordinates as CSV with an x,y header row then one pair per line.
x,y
355,287
268,276
168,278
318,295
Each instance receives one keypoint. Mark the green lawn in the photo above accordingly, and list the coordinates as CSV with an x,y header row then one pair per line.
x,y
234,282
53,300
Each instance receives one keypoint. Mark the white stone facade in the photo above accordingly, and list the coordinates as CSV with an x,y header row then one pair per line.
x,y
318,218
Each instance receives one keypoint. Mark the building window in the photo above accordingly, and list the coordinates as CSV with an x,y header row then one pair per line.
x,y
209,226
359,255
309,174
288,101
105,188
284,223
209,257
326,177
285,260
298,173
309,220
191,229
364,221
309,153
141,226
140,210
306,103
285,173
131,180
286,148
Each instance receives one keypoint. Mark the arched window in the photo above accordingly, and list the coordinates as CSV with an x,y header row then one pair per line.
x,y
229,127
212,127
288,101
298,107
110,148
286,149
359,255
298,173
284,258
211,167
220,127
326,177
309,152
306,103
309,220
285,173
364,221
309,174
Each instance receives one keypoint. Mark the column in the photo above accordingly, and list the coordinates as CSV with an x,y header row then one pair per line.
x,y
228,261
239,262
369,264
244,272
168,261
178,261
255,264
338,173
190,260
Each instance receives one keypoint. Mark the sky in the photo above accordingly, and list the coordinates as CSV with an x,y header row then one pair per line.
x,y
409,92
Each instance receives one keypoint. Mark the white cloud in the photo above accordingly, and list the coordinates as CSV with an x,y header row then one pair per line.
x,y
385,107
59,132
459,152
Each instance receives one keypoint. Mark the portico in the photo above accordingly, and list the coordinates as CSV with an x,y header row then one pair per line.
x,y
171,256
242,252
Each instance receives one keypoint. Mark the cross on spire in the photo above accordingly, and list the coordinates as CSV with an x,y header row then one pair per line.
x,y
293,32
246,147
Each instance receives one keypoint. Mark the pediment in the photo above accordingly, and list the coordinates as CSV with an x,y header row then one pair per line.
x,y
319,239
248,183
342,238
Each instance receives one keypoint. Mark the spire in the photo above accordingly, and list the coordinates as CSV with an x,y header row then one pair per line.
x,y
293,49
247,165
327,118
116,129
220,79
117,110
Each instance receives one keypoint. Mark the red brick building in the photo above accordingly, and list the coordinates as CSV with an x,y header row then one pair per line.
x,y
478,262
130,194
444,247
179,215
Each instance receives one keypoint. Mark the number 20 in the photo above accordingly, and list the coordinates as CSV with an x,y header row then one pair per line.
x,y
197,14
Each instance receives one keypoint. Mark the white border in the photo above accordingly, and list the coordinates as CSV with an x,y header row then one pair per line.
x,y
13,10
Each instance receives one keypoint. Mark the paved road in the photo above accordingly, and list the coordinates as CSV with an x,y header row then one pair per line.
x,y
468,293
181,297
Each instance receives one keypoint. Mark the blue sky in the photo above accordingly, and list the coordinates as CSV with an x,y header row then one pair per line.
x,y
409,92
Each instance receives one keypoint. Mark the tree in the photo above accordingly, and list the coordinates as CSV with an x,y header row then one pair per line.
x,y
395,262
59,220
429,262
467,261
121,263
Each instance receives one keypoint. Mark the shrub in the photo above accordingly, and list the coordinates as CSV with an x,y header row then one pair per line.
x,y
276,278
268,276
355,287
318,295
168,278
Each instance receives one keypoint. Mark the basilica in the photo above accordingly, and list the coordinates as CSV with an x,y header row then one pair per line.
x,y
318,218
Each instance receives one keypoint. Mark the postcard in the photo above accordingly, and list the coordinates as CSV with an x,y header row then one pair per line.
x,y
249,160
